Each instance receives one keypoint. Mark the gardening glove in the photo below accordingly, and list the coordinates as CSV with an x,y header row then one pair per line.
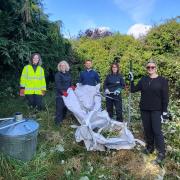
x,y
117,91
78,85
73,87
21,92
164,117
43,92
131,76
65,93
107,91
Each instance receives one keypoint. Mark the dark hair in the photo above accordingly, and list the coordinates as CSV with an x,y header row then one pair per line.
x,y
114,64
32,56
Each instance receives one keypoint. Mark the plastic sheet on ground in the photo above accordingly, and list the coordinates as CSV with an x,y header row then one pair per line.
x,y
97,129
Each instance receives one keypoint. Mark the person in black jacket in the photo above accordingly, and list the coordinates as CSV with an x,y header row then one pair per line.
x,y
62,82
113,85
153,106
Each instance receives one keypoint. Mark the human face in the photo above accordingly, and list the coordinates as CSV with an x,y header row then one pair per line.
x,y
151,68
88,64
63,67
114,69
35,59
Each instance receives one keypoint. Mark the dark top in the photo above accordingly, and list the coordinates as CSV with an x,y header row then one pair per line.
x,y
35,67
62,82
154,93
113,82
90,77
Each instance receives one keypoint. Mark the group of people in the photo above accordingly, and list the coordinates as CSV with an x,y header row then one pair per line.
x,y
153,88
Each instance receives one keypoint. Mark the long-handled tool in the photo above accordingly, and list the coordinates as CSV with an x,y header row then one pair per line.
x,y
129,99
103,95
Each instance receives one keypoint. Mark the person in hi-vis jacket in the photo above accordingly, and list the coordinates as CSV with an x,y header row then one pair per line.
x,y
32,82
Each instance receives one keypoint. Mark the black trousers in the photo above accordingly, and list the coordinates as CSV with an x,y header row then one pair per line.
x,y
35,101
152,130
117,102
61,110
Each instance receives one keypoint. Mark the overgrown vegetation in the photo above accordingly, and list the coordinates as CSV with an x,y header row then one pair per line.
x,y
58,156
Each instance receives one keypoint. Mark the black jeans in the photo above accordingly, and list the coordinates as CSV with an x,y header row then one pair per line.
x,y
117,102
61,110
35,101
152,130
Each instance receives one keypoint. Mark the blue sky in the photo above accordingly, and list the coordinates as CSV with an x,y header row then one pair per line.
x,y
117,15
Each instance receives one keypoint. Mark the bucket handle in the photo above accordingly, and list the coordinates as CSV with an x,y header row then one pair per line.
x,y
14,124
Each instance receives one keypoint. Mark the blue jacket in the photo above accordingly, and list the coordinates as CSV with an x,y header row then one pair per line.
x,y
113,82
62,82
90,77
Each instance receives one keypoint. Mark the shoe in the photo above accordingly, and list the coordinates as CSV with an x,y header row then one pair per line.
x,y
148,151
159,159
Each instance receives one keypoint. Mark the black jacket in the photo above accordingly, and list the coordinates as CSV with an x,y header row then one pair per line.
x,y
113,82
62,82
154,93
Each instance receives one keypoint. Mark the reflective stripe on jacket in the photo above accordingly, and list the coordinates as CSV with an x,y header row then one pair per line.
x,y
33,81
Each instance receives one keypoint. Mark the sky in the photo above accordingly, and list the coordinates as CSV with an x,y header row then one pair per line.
x,y
124,16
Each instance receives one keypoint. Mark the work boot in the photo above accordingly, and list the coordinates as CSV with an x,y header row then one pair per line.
x,y
148,151
160,157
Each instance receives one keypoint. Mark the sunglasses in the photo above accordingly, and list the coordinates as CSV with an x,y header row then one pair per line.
x,y
150,67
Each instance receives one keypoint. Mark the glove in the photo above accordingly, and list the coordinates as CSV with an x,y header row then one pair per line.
x,y
117,91
78,84
21,92
43,92
107,91
131,76
164,117
65,93
73,87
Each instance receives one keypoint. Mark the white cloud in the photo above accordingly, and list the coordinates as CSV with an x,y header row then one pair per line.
x,y
138,30
138,10
104,28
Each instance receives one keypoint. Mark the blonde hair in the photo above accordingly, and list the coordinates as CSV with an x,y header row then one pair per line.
x,y
63,62
152,61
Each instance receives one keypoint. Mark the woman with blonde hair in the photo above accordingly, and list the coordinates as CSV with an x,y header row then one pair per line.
x,y
63,82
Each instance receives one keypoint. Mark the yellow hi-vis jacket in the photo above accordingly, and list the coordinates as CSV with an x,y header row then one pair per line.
x,y
33,82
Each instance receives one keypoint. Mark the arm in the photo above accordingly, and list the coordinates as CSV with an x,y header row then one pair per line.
x,y
23,78
43,81
97,78
165,95
135,88
80,78
58,84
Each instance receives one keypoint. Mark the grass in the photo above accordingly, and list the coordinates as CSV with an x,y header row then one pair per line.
x,y
59,157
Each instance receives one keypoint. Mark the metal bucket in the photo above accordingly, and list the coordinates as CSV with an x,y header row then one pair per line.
x,y
19,138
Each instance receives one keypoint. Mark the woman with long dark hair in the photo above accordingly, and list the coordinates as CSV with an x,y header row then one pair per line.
x,y
113,85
